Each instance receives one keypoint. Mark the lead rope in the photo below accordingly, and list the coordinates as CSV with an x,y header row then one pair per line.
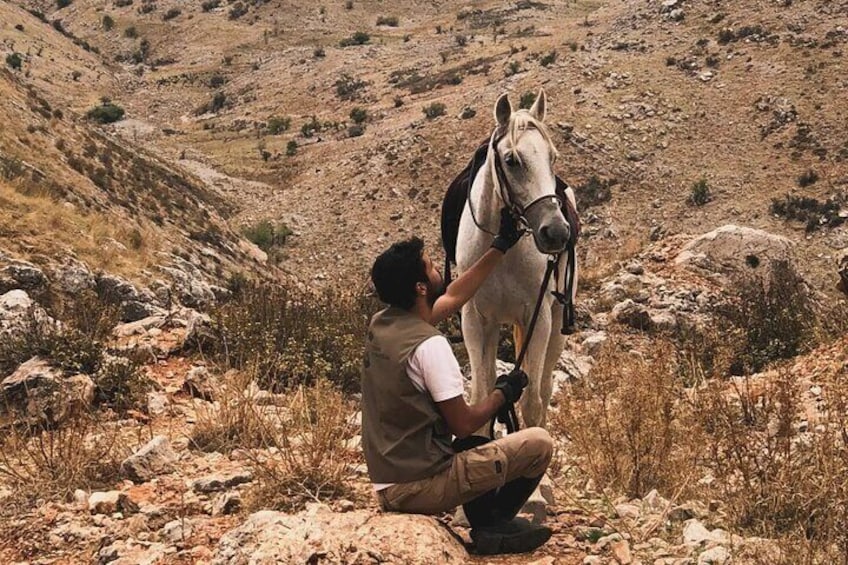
x,y
506,415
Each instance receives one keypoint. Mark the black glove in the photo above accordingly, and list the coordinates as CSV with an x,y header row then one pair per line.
x,y
508,233
512,385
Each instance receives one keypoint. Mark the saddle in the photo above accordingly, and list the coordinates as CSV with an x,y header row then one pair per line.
x,y
457,194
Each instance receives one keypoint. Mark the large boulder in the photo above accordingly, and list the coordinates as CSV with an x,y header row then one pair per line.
x,y
39,393
732,253
136,303
17,310
320,534
22,275
72,276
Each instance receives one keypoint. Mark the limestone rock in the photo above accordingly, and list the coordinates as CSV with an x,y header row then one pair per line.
x,y
109,502
214,483
275,537
732,252
632,314
39,392
155,458
21,275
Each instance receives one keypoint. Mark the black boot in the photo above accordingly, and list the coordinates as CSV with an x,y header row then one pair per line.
x,y
515,536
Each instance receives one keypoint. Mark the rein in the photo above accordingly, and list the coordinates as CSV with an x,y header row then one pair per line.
x,y
507,413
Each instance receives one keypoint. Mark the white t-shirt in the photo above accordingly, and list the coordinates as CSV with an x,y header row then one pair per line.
x,y
433,369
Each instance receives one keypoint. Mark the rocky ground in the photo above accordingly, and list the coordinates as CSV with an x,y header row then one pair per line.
x,y
173,503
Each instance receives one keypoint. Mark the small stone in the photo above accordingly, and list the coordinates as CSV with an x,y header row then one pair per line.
x,y
226,503
110,502
153,459
214,483
715,556
621,552
176,531
630,511
695,532
346,506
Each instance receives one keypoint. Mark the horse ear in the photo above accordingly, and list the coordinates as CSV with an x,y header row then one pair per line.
x,y
539,107
503,110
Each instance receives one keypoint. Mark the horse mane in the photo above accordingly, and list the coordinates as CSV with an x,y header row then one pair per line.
x,y
519,122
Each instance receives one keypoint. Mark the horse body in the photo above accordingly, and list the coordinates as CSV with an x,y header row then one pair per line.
x,y
509,294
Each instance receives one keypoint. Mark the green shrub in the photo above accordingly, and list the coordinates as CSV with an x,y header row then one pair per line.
x,y
700,193
356,130
390,21
467,113
209,5
291,148
434,110
237,11
106,113
63,3
277,125
267,235
814,213
526,100
347,87
358,115
14,60
319,53
548,59
513,68
131,32
593,192
171,14
770,319
807,178
108,22
358,38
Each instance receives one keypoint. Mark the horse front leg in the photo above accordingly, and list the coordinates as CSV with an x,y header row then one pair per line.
x,y
555,345
532,407
481,341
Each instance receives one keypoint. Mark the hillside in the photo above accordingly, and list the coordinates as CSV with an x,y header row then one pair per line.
x,y
651,97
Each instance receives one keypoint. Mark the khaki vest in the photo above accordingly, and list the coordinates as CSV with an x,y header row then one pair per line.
x,y
404,436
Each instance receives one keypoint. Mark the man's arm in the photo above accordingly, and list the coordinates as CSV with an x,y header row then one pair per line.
x,y
463,288
463,419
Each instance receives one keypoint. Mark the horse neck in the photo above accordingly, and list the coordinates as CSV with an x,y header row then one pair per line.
x,y
483,195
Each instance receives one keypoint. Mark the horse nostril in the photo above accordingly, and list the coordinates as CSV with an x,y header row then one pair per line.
x,y
554,233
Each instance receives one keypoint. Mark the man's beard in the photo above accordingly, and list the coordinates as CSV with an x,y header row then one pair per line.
x,y
434,291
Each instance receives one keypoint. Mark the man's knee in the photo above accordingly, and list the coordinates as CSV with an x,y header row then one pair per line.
x,y
540,442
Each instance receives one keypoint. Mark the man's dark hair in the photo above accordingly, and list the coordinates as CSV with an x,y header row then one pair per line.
x,y
397,270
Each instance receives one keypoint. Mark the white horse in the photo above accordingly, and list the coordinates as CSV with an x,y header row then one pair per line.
x,y
522,149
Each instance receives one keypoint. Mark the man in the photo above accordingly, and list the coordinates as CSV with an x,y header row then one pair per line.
x,y
412,405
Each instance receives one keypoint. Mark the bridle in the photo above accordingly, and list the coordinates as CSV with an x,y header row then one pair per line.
x,y
518,211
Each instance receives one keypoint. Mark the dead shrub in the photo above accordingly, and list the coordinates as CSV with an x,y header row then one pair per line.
x,y
625,422
235,421
50,462
312,458
776,477
286,337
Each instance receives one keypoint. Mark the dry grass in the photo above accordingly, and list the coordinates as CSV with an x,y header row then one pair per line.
x,y
234,421
606,260
627,422
662,421
39,462
311,460
40,224
299,450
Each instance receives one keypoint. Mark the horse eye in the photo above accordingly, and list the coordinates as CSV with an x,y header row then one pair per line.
x,y
510,159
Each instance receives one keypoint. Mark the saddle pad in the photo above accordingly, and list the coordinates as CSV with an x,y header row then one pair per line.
x,y
454,202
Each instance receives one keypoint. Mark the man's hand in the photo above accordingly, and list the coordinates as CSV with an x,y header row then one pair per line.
x,y
512,385
508,233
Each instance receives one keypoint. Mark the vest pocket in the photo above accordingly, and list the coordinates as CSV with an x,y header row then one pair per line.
x,y
485,467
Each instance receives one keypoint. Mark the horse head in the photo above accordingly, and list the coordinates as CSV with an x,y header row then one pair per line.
x,y
524,156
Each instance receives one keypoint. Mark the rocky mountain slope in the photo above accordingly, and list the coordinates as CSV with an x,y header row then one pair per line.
x,y
705,138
